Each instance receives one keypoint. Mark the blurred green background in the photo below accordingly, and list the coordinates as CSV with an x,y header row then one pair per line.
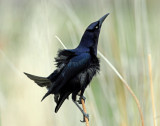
x,y
28,44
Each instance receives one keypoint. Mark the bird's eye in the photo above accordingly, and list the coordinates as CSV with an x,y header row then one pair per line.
x,y
96,27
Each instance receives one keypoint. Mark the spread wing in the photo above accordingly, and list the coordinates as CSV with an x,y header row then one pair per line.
x,y
62,59
74,66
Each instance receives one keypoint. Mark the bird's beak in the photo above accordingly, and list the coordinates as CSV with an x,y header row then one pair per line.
x,y
102,19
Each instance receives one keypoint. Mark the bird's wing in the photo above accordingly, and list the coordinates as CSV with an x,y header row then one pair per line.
x,y
75,65
61,60
64,56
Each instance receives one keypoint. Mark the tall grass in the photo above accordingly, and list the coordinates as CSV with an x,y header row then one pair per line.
x,y
152,90
27,43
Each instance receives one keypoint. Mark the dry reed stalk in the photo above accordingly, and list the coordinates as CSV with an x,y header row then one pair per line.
x,y
151,87
84,108
126,85
121,78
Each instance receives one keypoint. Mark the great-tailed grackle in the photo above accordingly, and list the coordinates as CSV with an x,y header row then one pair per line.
x,y
75,68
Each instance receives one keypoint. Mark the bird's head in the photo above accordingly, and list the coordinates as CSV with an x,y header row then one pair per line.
x,y
91,35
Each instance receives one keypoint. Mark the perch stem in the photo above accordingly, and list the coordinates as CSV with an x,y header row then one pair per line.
x,y
84,108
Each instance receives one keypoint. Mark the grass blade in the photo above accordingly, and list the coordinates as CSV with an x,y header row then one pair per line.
x,y
151,87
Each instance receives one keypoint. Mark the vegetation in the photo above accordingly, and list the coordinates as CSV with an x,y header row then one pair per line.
x,y
28,43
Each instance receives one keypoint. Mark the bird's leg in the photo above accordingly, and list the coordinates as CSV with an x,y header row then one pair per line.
x,y
80,98
84,114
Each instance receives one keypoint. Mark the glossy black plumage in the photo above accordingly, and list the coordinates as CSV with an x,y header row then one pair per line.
x,y
75,67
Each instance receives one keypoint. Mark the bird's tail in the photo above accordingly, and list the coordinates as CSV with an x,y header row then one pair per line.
x,y
41,81
61,100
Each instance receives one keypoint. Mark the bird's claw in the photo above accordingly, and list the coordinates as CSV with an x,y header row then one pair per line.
x,y
80,98
85,115
82,121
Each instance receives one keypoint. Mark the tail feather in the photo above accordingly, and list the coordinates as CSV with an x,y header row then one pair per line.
x,y
61,100
48,93
41,81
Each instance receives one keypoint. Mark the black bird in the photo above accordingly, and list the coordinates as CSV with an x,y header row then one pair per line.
x,y
75,68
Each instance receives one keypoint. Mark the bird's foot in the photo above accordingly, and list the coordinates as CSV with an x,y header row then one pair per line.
x,y
80,98
85,115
